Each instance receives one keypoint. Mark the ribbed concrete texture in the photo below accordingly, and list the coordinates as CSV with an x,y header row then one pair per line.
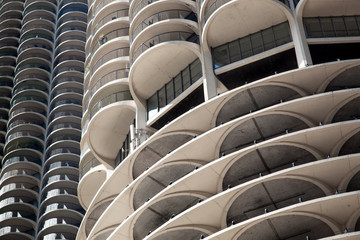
x,y
42,57
220,119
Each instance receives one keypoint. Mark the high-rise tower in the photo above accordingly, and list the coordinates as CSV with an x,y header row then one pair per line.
x,y
242,120
42,44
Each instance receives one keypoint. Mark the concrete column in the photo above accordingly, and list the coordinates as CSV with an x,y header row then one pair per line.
x,y
140,131
210,81
301,47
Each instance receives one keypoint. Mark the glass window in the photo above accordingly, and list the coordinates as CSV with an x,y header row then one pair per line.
x,y
282,34
234,51
351,26
152,107
245,45
339,26
196,72
268,38
312,27
327,27
177,85
257,43
186,78
162,97
221,56
169,91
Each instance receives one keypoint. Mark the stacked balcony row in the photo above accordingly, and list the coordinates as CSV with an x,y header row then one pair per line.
x,y
281,131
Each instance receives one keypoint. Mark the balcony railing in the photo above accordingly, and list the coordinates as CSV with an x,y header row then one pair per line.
x,y
218,3
111,16
164,37
109,36
115,97
163,15
119,52
93,162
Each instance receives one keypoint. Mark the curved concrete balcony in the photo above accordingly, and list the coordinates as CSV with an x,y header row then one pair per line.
x,y
117,50
112,11
21,232
155,58
38,53
312,8
71,35
300,221
63,110
25,131
26,156
37,23
69,55
92,176
117,111
216,185
67,226
118,28
36,33
161,11
63,135
115,69
320,78
223,17
76,45
47,8
63,148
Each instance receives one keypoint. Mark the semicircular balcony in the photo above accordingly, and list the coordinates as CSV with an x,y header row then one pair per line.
x,y
36,68
73,77
331,31
112,104
29,95
92,176
73,30
68,66
116,10
35,34
161,57
30,84
29,142
47,8
60,47
79,7
63,226
66,99
68,55
37,22
9,38
162,11
62,148
66,133
30,51
257,41
117,29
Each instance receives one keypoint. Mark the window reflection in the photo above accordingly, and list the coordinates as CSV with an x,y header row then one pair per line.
x,y
252,44
173,88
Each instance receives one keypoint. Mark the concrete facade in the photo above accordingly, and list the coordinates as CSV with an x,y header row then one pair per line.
x,y
41,89
221,119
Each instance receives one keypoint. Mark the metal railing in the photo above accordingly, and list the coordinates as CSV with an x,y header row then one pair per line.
x,y
93,162
109,36
119,52
218,3
112,16
164,37
112,98
160,16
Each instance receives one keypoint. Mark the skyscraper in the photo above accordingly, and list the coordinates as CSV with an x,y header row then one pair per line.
x,y
41,85
221,119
